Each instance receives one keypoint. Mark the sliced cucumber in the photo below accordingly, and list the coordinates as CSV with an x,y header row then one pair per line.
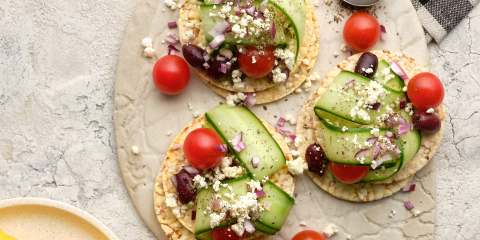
x,y
202,221
251,40
281,206
339,102
333,120
395,83
411,142
204,236
381,174
228,122
264,229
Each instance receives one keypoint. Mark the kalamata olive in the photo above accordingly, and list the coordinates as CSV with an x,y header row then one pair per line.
x,y
316,159
195,56
215,72
185,187
429,123
367,65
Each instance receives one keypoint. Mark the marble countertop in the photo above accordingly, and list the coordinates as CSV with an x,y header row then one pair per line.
x,y
57,71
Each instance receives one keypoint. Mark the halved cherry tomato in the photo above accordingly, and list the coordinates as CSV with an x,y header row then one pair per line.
x,y
254,64
308,235
199,148
171,74
348,174
425,91
361,31
226,233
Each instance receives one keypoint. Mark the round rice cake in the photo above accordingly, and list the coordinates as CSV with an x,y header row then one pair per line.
x,y
176,159
265,89
310,131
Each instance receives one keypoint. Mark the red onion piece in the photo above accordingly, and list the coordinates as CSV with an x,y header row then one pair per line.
x,y
281,122
217,41
397,151
221,148
402,121
260,15
191,170
174,180
411,126
237,138
376,151
349,84
385,157
349,53
171,40
255,161
215,204
287,72
390,135
218,1
221,58
286,133
172,25
250,100
238,12
383,33
174,36
260,193
251,11
362,153
403,103
409,188
262,5
223,68
206,56
398,70
249,226
372,140
240,146
206,65
273,31
409,205
194,215
176,147
172,50
403,129
376,106
220,28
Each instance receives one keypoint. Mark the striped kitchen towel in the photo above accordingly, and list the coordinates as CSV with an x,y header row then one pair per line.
x,y
439,17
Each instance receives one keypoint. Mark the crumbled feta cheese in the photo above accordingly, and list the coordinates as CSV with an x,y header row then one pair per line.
x,y
149,52
176,212
430,110
147,42
196,114
171,200
298,90
336,54
306,61
216,186
404,89
362,193
169,133
344,47
135,150
315,4
368,70
298,141
190,106
254,185
199,182
297,166
416,213
278,76
288,117
349,237
330,230
233,172
171,4
344,128
303,224
286,55
295,153
392,213
253,59
215,220
375,132
238,228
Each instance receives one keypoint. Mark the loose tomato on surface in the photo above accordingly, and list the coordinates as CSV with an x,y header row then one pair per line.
x,y
348,174
425,91
226,233
361,31
262,65
171,74
199,148
308,235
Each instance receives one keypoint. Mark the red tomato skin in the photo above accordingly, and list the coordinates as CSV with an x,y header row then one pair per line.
x,y
199,148
263,65
308,235
425,90
224,234
171,74
348,174
361,32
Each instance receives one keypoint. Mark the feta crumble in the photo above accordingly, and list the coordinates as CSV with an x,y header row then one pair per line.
x,y
135,150
336,54
196,114
303,224
190,108
344,128
147,42
430,111
169,133
298,141
416,213
330,230
171,200
297,166
149,52
344,47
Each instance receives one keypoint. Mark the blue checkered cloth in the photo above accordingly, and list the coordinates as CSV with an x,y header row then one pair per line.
x,y
439,17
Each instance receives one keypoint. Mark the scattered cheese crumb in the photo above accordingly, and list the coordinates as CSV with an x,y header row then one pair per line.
x,y
344,47
135,150
416,213
315,4
171,201
298,90
392,213
149,52
295,153
169,133
404,89
336,54
344,128
349,237
430,110
196,114
147,42
297,166
330,230
190,106
303,224
298,141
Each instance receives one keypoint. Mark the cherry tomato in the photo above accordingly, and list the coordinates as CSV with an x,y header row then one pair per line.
x,y
348,174
308,235
425,91
361,31
226,233
171,74
199,148
261,66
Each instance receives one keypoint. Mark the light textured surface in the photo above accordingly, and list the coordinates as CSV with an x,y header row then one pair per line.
x,y
57,74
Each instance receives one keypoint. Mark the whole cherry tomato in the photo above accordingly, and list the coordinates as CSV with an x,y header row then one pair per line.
x,y
348,174
171,74
308,235
199,148
425,91
361,31
226,233
255,64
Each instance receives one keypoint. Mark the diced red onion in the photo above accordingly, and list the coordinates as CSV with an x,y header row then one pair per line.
x,y
388,123
226,53
281,122
172,50
176,147
349,84
260,15
174,180
230,32
383,33
409,188
206,56
273,31
171,40
385,157
255,161
253,215
172,25
398,70
403,129
237,138
390,135
287,72
267,205
286,133
249,226
221,148
174,36
409,205
223,68
194,215
221,58
250,100
215,204
402,121
376,151
260,193
397,150
218,1
349,53
262,5
240,146
372,140
411,126
362,153
238,12
251,11
206,65
217,41
220,28
403,103
191,170
376,106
